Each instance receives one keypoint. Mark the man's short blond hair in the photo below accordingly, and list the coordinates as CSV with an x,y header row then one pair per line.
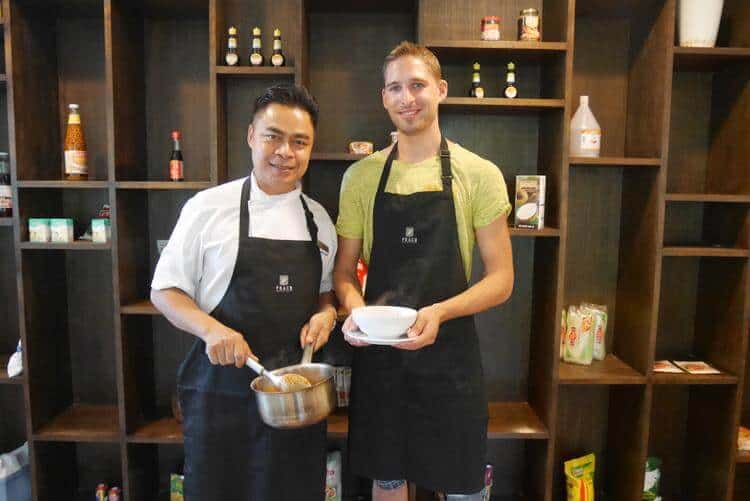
x,y
412,49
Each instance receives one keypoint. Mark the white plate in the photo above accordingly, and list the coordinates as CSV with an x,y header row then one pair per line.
x,y
362,337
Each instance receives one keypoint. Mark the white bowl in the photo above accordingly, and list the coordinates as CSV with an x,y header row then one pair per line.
x,y
384,321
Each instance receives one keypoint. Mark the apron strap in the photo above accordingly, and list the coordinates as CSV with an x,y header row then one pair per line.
x,y
311,226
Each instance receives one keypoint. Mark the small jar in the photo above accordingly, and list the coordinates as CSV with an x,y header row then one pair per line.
x,y
491,28
529,26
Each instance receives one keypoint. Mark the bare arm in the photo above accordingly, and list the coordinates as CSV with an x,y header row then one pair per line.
x,y
321,324
493,289
224,346
345,281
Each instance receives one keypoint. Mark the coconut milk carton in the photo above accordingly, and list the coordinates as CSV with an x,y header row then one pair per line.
x,y
530,193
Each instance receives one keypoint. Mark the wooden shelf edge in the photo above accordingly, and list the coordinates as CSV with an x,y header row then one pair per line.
x,y
543,233
253,70
75,246
144,307
82,423
62,184
616,161
163,185
500,103
693,379
610,371
498,45
707,198
743,457
712,51
686,251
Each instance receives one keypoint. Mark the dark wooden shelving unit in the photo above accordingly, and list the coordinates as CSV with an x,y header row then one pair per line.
x,y
656,228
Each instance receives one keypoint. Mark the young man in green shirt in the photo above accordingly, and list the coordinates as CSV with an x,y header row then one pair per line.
x,y
414,212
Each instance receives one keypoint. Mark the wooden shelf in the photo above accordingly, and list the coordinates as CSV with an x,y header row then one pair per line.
x,y
59,183
507,420
611,370
336,157
692,379
144,307
82,423
678,251
498,104
707,198
239,71
6,221
456,50
75,246
743,457
709,58
616,161
544,232
4,379
163,185
162,431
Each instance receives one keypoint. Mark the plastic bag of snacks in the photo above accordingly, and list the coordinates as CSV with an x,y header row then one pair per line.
x,y
176,492
333,476
579,337
579,478
651,480
563,329
743,439
599,313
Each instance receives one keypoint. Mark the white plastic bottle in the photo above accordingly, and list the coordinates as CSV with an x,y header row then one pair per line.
x,y
585,133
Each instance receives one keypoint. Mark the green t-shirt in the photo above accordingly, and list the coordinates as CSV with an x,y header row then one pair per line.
x,y
479,194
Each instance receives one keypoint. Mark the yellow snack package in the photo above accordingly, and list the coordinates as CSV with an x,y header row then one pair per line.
x,y
579,477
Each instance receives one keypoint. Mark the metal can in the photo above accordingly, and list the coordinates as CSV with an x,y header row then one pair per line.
x,y
529,26
490,28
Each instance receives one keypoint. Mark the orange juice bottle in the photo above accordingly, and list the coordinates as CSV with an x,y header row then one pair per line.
x,y
75,147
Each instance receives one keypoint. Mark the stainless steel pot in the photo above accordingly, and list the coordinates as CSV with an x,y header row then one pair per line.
x,y
295,409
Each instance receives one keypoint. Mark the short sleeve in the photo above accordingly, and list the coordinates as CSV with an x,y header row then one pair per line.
x,y
181,262
490,196
351,219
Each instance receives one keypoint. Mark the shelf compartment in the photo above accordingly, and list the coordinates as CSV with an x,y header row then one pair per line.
x,y
610,371
82,423
709,58
241,71
701,317
616,161
150,467
71,471
497,104
707,225
685,420
13,424
164,185
4,379
612,423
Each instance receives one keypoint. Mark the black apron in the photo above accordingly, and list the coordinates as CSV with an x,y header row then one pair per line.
x,y
419,415
229,452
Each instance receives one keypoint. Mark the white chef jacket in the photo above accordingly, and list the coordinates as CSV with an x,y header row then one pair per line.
x,y
200,255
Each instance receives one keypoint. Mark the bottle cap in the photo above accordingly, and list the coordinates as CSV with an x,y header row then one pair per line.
x,y
476,66
256,31
584,99
176,134
232,30
511,66
73,107
277,32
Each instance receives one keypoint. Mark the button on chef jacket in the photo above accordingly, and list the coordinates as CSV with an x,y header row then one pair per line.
x,y
200,256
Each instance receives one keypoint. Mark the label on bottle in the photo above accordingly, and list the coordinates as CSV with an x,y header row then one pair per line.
x,y
74,119
475,78
232,43
511,78
511,92
232,59
256,59
277,60
479,92
277,44
175,170
591,139
75,162
6,197
256,43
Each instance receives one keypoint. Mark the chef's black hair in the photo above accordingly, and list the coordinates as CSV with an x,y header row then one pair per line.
x,y
295,96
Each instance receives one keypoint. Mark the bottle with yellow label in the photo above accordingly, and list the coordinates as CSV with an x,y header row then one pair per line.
x,y
476,84
256,52
511,91
277,59
76,167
